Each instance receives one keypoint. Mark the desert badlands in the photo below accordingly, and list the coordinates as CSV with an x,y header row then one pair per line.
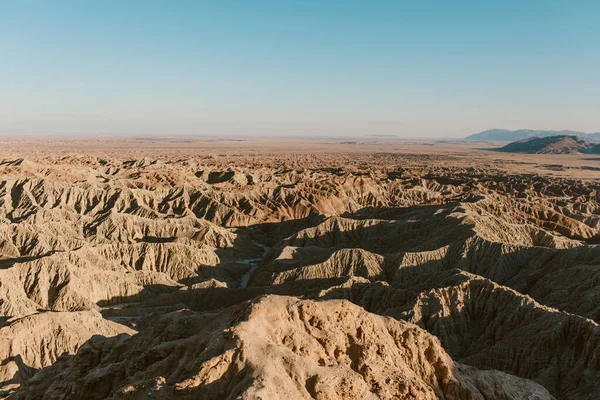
x,y
190,268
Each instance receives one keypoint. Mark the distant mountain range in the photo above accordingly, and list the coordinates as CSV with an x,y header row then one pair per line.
x,y
511,136
561,144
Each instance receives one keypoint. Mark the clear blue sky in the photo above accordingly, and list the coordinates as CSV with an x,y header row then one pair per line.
x,y
312,67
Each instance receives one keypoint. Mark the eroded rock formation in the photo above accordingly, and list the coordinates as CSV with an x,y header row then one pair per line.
x,y
293,277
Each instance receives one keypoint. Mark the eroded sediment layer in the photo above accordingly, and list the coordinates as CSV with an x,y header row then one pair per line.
x,y
151,274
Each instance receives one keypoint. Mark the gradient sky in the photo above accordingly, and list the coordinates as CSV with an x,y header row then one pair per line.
x,y
312,67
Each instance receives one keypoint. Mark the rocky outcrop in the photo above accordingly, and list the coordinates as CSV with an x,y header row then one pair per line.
x,y
31,343
273,347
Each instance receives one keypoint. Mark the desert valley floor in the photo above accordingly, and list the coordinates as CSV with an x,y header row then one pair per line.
x,y
221,269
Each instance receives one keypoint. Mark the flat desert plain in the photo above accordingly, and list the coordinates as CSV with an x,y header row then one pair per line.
x,y
207,268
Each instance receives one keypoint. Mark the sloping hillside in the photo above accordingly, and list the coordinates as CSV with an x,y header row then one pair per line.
x,y
552,145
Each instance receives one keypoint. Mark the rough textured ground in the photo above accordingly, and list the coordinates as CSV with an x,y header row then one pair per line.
x,y
218,271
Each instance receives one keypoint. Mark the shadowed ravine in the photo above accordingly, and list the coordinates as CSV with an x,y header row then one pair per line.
x,y
254,264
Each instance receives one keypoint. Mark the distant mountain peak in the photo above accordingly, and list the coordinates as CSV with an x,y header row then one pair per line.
x,y
560,144
521,134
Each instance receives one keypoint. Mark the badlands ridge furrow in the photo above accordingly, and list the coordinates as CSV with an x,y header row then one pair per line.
x,y
292,278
